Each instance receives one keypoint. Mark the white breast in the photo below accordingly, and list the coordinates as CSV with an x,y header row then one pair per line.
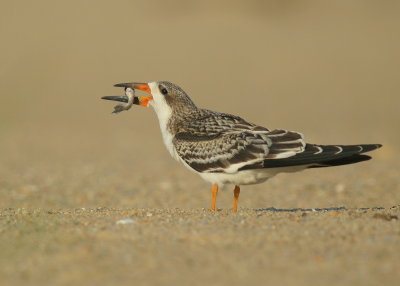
x,y
164,112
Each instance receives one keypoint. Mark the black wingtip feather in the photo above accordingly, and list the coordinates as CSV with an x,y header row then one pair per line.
x,y
325,156
344,161
369,147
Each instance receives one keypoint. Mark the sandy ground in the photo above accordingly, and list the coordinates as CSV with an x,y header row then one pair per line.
x,y
105,246
125,217
91,198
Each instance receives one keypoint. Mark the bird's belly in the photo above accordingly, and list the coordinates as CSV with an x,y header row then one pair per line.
x,y
247,177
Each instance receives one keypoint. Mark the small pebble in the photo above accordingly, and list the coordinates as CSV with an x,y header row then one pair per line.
x,y
125,221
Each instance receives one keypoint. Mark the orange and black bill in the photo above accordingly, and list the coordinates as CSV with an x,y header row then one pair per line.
x,y
118,98
138,100
135,85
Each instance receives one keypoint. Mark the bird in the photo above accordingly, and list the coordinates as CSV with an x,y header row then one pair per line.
x,y
225,149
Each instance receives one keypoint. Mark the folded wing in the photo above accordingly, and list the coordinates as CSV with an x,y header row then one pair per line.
x,y
224,143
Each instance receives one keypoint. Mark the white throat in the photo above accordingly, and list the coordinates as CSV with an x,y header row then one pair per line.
x,y
164,113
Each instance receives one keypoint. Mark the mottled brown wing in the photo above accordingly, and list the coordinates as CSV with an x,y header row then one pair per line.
x,y
225,143
225,152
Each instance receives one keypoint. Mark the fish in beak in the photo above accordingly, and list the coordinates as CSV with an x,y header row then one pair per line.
x,y
128,100
138,100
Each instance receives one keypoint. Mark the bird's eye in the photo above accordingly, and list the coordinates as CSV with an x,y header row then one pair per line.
x,y
163,90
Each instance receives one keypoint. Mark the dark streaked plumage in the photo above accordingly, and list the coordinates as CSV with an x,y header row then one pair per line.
x,y
217,142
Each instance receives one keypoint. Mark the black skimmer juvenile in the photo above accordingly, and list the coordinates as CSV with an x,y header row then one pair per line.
x,y
225,149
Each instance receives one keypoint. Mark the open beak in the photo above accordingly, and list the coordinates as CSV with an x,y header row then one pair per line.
x,y
116,98
138,100
135,85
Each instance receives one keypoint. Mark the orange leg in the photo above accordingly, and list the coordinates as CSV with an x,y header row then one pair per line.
x,y
236,193
214,192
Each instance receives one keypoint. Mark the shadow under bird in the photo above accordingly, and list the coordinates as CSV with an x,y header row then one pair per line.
x,y
225,149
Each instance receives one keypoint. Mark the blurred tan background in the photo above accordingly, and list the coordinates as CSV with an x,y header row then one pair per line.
x,y
329,69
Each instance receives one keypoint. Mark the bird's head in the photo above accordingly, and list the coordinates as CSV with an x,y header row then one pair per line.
x,y
161,95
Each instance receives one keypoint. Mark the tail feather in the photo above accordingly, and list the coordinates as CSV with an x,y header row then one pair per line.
x,y
325,156
344,161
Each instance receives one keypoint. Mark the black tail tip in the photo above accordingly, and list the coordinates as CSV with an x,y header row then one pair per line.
x,y
343,161
368,147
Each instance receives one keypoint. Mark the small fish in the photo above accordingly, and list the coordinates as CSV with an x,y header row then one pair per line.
x,y
128,99
130,94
